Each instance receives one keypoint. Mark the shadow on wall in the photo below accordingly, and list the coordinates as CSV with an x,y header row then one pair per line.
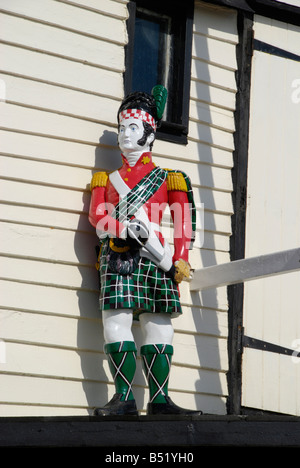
x,y
206,311
90,332
206,307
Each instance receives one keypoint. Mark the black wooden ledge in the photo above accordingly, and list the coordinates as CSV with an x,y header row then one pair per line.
x,y
151,431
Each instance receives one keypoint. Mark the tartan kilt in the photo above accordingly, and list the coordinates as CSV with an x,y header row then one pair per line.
x,y
147,289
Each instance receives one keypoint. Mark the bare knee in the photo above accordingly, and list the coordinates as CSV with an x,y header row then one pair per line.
x,y
157,328
117,325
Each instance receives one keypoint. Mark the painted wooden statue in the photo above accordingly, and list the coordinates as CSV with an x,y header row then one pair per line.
x,y
139,276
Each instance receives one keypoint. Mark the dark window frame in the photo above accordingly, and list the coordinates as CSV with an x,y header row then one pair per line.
x,y
176,129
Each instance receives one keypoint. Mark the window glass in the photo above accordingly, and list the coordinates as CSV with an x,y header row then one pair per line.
x,y
151,51
159,52
146,49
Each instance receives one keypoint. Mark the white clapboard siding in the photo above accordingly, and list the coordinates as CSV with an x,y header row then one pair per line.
x,y
47,299
53,41
213,116
282,35
271,305
114,8
58,61
215,22
57,70
62,65
72,153
57,99
45,173
80,20
43,331
29,145
98,394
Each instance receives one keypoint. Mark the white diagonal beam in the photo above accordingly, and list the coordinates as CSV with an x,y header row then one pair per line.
x,y
240,271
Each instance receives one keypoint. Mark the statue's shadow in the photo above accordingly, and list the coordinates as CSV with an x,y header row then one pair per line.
x,y
107,153
90,331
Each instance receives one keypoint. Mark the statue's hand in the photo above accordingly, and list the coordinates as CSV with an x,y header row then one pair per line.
x,y
183,270
137,233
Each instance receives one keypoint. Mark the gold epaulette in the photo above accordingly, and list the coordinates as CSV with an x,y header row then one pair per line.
x,y
176,181
99,179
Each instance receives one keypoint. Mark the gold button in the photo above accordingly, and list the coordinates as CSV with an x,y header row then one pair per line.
x,y
125,179
129,170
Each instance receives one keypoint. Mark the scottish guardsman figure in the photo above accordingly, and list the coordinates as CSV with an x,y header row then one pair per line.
x,y
139,275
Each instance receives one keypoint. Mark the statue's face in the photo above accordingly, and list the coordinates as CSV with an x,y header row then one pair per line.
x,y
131,131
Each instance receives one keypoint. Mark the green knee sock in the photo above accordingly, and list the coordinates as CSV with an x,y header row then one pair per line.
x,y
122,364
157,365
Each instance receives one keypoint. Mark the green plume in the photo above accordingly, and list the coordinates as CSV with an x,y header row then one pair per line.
x,y
160,94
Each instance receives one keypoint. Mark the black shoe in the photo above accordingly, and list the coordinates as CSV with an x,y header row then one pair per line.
x,y
170,408
116,407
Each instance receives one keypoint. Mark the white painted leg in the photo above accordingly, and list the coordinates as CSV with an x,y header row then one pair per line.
x,y
156,328
117,325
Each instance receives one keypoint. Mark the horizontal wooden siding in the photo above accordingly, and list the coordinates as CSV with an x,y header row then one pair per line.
x,y
62,82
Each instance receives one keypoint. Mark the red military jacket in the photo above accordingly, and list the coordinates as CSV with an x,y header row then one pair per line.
x,y
173,192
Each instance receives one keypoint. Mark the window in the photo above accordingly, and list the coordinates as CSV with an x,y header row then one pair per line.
x,y
159,52
151,37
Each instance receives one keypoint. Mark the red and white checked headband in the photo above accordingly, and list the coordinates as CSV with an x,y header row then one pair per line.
x,y
138,114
